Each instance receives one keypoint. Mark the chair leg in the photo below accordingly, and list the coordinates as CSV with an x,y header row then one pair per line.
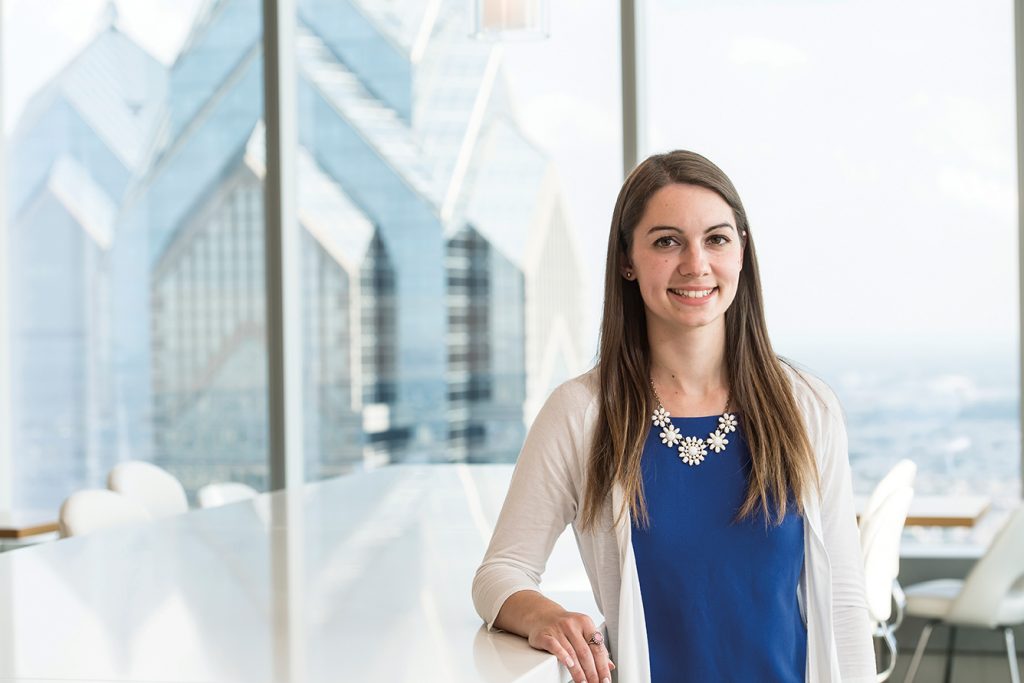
x,y
890,643
922,642
950,651
1011,653
899,599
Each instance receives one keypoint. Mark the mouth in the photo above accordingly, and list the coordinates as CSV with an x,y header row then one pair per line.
x,y
693,296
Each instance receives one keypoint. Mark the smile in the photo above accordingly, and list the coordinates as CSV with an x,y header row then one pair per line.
x,y
694,294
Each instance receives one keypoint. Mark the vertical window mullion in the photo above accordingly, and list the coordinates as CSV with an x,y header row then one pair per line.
x,y
628,27
6,471
1018,20
281,247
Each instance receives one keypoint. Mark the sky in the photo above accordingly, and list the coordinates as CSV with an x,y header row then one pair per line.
x,y
872,143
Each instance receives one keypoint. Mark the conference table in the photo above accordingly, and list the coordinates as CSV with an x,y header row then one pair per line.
x,y
362,578
944,511
26,524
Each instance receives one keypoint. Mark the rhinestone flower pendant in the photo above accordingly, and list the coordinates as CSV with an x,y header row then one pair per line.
x,y
670,436
692,451
717,441
660,417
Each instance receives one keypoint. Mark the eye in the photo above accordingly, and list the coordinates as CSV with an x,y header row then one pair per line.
x,y
665,241
719,240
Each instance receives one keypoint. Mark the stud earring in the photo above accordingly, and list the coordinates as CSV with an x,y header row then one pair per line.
x,y
629,274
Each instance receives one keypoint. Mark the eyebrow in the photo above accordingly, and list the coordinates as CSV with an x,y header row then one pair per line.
x,y
670,228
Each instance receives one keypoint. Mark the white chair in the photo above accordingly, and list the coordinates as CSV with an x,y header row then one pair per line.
x,y
154,488
902,475
991,597
94,509
222,493
880,544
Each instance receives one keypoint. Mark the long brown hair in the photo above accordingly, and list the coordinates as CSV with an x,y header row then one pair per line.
x,y
782,461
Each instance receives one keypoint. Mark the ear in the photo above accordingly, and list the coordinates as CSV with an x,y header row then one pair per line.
x,y
626,267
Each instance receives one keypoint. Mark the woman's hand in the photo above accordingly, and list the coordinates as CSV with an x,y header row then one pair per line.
x,y
565,635
550,627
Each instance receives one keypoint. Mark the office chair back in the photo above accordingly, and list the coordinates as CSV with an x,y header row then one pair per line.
x,y
902,475
214,495
95,509
154,488
993,578
880,544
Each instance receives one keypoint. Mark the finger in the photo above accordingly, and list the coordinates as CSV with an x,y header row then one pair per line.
x,y
602,662
575,670
585,656
557,645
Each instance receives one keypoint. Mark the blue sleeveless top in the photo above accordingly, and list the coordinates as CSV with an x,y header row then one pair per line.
x,y
720,598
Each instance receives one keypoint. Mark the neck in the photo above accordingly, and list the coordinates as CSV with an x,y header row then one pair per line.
x,y
690,363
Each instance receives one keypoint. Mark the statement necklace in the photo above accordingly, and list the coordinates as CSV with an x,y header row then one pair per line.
x,y
692,449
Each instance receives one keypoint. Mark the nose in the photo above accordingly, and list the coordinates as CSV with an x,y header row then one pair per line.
x,y
693,261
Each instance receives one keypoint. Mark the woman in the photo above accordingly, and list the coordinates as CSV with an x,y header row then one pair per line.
x,y
707,481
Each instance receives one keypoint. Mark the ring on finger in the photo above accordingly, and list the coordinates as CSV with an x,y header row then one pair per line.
x,y
596,638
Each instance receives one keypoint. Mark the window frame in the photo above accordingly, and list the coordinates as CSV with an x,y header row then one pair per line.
x,y
6,457
283,248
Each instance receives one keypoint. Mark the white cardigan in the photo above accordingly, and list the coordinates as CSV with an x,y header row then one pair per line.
x,y
546,494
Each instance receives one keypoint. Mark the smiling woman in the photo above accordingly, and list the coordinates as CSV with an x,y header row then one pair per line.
x,y
698,470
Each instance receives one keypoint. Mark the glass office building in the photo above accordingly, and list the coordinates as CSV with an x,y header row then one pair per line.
x,y
440,281
73,156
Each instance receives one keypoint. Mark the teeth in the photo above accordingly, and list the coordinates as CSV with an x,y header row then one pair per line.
x,y
692,294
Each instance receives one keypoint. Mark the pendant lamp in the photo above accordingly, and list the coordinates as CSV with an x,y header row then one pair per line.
x,y
510,19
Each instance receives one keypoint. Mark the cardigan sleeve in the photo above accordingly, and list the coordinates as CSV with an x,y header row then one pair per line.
x,y
541,500
851,623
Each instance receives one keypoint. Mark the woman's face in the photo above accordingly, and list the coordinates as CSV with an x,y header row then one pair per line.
x,y
686,257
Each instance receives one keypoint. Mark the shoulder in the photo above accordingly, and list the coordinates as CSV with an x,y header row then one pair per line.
x,y
570,411
558,438
577,395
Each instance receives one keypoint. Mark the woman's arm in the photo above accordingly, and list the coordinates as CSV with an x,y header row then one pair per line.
x,y
842,542
542,500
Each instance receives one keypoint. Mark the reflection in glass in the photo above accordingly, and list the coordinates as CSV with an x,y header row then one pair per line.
x,y
136,232
440,275
461,316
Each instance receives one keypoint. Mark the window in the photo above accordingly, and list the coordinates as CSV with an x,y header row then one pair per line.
x,y
448,193
450,184
135,231
876,161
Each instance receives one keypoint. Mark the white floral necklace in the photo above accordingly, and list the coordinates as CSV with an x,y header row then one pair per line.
x,y
692,449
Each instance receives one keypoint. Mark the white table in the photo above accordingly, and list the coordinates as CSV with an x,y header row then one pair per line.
x,y
941,510
21,524
19,528
363,578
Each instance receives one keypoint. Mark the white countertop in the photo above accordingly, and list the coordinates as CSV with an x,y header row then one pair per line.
x,y
363,578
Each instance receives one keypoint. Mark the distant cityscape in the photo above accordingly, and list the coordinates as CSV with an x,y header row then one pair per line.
x,y
954,414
